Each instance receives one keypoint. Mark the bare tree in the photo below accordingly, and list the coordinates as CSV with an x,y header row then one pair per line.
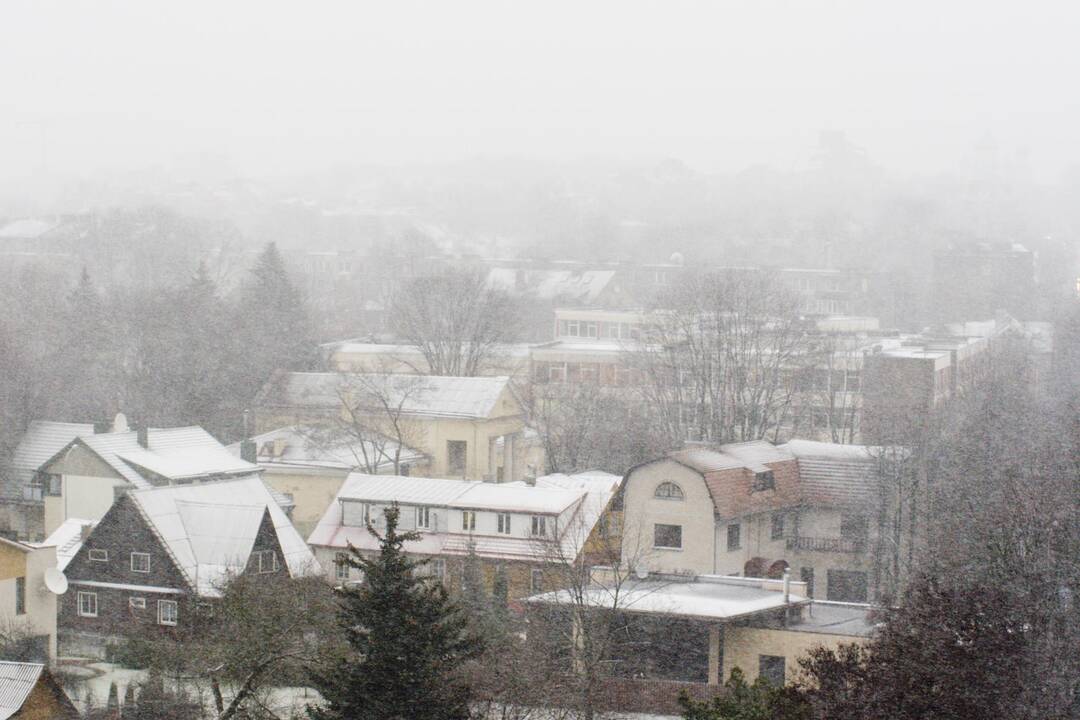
x,y
720,356
457,321
827,398
375,425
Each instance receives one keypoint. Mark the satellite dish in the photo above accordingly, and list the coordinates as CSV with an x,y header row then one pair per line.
x,y
641,571
55,581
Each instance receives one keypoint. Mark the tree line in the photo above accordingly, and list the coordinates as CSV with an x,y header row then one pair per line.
x,y
185,353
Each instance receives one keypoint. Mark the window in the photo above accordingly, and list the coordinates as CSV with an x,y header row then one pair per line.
x,y
99,556
455,456
438,568
733,536
536,581
557,372
468,520
854,527
611,525
87,604
668,491
764,481
54,485
539,526
137,603
265,561
167,612
806,574
667,536
846,586
771,669
341,566
140,562
20,596
504,523
423,517
777,532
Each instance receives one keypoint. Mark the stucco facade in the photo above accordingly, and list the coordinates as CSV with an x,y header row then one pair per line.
x,y
24,566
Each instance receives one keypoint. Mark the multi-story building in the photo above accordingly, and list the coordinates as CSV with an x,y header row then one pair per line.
x,y
757,509
159,558
28,598
526,533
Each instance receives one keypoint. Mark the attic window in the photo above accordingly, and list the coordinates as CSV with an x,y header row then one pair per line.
x,y
668,491
764,481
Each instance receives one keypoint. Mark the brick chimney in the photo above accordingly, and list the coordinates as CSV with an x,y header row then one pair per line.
x,y
248,451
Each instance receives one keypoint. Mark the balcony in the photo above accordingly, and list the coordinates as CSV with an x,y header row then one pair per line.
x,y
827,544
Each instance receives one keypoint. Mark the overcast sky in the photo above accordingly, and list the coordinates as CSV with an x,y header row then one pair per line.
x,y
87,85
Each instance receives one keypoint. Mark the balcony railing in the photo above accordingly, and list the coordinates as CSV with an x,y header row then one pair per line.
x,y
826,544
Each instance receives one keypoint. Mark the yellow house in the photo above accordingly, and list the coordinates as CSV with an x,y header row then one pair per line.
x,y
27,601
308,466
468,427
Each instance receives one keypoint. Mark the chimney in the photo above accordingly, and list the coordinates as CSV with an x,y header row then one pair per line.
x,y
102,427
143,434
84,531
248,451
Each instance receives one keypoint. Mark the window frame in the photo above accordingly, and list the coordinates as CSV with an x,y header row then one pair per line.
x,y
536,580
468,521
452,468
538,526
669,527
141,555
341,563
91,597
161,606
503,523
259,556
678,495
737,529
91,558
20,595
764,480
779,522
136,603
423,517
773,660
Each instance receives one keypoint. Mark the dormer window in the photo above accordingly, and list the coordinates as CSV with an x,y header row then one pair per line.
x,y
764,481
668,491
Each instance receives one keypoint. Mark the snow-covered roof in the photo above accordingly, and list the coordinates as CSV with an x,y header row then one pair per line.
x,y
41,441
27,228
67,539
705,598
17,680
427,395
210,529
579,286
303,446
590,492
411,352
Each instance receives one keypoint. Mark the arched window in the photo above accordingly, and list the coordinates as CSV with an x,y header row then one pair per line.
x,y
668,491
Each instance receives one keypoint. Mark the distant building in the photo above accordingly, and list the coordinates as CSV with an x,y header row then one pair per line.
x,y
88,472
28,691
308,466
514,528
159,558
456,422
981,279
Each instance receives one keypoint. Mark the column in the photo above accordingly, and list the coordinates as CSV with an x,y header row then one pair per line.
x,y
492,474
509,449
714,654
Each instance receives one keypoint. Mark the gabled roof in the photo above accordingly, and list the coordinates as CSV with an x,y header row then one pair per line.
x,y
417,395
210,529
17,680
41,441
298,445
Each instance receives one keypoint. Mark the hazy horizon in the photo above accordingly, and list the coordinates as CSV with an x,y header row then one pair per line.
x,y
113,88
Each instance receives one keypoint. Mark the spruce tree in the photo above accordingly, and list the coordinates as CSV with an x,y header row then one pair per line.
x,y
408,642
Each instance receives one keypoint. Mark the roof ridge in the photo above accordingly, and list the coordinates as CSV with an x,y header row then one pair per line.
x,y
168,550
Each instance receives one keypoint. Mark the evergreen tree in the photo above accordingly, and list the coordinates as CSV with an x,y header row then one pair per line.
x,y
408,643
272,327
89,368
